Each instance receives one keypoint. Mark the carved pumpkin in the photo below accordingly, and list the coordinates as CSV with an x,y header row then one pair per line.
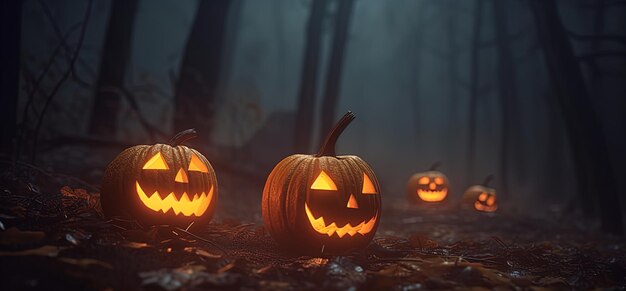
x,y
161,184
323,202
481,197
429,186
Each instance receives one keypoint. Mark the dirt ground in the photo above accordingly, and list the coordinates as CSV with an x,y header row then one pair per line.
x,y
55,237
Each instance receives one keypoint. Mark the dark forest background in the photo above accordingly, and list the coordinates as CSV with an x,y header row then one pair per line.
x,y
532,91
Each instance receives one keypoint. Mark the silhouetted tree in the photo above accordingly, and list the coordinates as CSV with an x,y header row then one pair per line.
x,y
333,77
451,27
11,18
584,130
507,91
308,82
417,46
116,53
474,73
195,97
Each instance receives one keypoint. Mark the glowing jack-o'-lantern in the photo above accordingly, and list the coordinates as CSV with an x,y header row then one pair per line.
x,y
429,186
481,197
161,184
323,202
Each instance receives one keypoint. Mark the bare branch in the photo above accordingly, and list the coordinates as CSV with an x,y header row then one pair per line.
x,y
620,39
603,54
36,88
134,105
62,80
65,45
606,5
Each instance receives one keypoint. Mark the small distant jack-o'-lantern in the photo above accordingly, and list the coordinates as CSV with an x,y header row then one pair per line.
x,y
481,197
161,184
323,202
429,186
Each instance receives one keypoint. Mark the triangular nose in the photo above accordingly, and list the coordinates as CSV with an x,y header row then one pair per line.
x,y
352,202
181,176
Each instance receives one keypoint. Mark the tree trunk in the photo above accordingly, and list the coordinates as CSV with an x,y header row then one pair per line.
x,y
195,98
451,26
417,46
507,90
281,44
474,74
113,63
584,130
333,77
11,19
595,88
308,83
595,85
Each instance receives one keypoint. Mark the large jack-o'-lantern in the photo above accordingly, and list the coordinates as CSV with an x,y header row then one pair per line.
x,y
481,197
323,202
429,186
161,184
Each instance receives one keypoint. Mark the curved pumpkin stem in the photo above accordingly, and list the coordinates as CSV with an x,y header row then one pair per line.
x,y
487,180
328,147
434,166
182,137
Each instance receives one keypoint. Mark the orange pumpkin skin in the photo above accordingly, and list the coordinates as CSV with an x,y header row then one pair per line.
x,y
428,187
303,189
481,197
130,183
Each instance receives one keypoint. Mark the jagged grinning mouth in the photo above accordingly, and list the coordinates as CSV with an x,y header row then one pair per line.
x,y
320,226
188,207
432,196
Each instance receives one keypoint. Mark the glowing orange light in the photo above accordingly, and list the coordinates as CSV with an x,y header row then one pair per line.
x,y
432,196
319,225
197,165
323,182
181,176
352,202
156,162
368,186
188,207
485,208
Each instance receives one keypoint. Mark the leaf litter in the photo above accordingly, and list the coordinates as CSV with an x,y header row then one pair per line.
x,y
55,236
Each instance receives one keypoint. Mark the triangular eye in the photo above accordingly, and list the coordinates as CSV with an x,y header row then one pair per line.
x,y
197,164
157,162
323,182
368,186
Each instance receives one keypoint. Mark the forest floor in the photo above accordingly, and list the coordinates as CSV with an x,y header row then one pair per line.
x,y
53,236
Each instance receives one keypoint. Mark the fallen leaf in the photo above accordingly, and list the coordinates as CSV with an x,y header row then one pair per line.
x,y
50,251
13,236
187,277
85,263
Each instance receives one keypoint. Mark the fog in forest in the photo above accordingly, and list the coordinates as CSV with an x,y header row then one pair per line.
x,y
464,83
